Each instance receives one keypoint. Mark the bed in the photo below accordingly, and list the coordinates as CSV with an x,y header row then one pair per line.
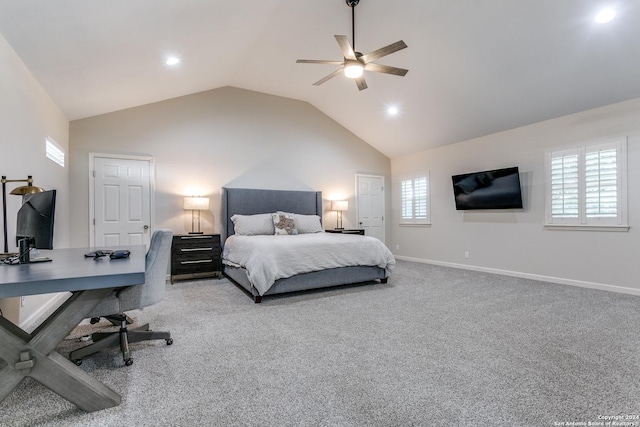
x,y
252,203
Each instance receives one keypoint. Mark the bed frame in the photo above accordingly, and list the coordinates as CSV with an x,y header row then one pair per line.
x,y
246,201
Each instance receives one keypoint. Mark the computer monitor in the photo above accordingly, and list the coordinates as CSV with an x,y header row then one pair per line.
x,y
35,219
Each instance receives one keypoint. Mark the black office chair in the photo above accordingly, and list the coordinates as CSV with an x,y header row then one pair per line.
x,y
132,298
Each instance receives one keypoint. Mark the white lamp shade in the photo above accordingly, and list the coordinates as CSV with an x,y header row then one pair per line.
x,y
339,205
196,203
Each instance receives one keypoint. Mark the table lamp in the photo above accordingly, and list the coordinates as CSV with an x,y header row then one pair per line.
x,y
19,191
196,204
339,206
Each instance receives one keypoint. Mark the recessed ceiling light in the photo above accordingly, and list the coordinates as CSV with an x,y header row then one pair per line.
x,y
172,60
605,15
393,110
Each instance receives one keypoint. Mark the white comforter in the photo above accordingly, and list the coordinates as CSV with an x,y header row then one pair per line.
x,y
269,258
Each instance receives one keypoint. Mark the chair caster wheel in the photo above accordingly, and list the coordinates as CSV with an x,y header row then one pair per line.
x,y
78,362
129,362
94,320
169,341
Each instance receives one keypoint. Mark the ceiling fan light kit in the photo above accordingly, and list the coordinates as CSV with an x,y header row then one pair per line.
x,y
353,69
354,63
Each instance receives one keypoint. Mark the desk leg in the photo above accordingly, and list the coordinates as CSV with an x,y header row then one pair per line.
x,y
33,355
9,380
13,340
65,378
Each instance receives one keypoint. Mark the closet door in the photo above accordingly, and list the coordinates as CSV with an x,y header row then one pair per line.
x,y
122,201
370,201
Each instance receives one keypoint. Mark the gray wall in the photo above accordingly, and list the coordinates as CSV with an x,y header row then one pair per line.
x,y
224,137
515,241
27,116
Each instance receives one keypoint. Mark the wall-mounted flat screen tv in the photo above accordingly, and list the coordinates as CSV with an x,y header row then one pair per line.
x,y
493,189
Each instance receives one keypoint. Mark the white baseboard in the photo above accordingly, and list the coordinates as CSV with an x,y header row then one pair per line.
x,y
44,311
541,278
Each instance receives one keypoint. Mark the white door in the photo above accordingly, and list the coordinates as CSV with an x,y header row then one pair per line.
x,y
370,201
121,201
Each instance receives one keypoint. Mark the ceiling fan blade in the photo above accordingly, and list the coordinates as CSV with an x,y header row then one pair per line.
x,y
330,76
318,61
361,83
345,46
383,51
378,68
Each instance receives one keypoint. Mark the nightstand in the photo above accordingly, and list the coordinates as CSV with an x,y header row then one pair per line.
x,y
195,255
347,231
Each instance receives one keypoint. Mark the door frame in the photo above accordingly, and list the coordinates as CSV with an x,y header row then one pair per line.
x,y
92,178
384,206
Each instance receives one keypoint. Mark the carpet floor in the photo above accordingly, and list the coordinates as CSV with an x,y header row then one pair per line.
x,y
435,346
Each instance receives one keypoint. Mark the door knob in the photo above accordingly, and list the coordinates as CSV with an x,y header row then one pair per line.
x,y
146,227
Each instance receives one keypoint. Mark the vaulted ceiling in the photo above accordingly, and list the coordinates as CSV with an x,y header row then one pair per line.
x,y
475,66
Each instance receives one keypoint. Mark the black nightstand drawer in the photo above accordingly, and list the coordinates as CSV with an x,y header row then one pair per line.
x,y
194,263
347,231
196,240
195,256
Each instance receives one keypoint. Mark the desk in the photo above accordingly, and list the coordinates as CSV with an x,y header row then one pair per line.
x,y
33,355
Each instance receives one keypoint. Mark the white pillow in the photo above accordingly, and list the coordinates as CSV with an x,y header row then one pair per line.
x,y
308,223
253,225
284,224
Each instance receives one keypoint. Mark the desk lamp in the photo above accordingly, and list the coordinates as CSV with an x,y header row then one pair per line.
x,y
20,191
339,206
196,204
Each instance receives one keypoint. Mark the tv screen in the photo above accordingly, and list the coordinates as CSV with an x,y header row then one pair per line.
x,y
493,189
35,218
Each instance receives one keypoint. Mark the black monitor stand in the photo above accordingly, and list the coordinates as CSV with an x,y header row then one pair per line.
x,y
24,251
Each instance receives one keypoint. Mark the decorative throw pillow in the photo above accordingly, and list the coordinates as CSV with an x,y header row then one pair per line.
x,y
308,223
253,225
284,224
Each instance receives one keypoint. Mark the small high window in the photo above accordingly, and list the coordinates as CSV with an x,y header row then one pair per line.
x,y
54,151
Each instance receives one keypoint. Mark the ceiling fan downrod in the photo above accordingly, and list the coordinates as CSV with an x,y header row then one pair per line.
x,y
352,4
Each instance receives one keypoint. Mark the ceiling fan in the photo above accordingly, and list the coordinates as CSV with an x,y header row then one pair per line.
x,y
355,63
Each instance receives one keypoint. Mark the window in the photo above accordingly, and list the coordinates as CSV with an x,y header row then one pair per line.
x,y
586,185
415,204
54,151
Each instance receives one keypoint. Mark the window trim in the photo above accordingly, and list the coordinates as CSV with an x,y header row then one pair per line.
x,y
582,222
416,221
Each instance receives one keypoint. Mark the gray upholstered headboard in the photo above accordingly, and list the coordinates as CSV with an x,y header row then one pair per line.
x,y
246,201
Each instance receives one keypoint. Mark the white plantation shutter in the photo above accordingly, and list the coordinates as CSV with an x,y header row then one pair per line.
x,y
420,198
407,199
586,185
565,185
414,193
601,179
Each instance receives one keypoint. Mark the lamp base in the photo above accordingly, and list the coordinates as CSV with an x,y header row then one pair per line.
x,y
196,232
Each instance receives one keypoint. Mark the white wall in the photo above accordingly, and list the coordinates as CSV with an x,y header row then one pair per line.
x,y
27,116
224,137
515,241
